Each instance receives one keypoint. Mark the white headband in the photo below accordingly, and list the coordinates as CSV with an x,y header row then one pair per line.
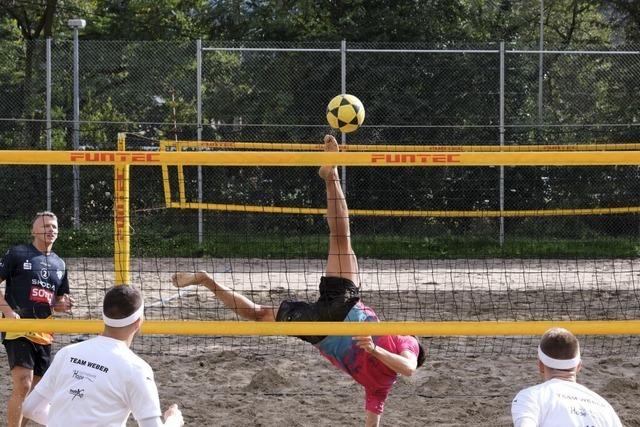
x,y
119,323
558,363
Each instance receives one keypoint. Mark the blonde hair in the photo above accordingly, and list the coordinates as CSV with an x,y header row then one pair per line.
x,y
44,213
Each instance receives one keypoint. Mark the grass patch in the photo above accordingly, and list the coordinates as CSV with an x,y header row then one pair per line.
x,y
96,240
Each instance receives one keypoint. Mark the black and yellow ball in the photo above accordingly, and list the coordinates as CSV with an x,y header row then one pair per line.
x,y
345,113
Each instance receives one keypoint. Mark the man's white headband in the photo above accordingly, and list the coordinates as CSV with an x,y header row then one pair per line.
x,y
119,323
558,363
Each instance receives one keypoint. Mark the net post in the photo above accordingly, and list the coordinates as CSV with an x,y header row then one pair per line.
x,y
121,225
165,175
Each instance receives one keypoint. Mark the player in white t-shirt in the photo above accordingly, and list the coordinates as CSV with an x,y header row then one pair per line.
x,y
99,382
560,401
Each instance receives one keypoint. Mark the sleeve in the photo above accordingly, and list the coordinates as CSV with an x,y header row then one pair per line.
x,y
615,421
150,422
64,286
525,409
36,407
525,422
157,422
143,393
47,384
38,402
408,343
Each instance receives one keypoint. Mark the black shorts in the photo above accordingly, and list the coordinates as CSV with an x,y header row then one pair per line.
x,y
337,298
28,354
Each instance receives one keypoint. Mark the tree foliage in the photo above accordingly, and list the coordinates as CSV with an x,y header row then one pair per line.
x,y
138,74
433,21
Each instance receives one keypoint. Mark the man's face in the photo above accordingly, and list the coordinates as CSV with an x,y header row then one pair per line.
x,y
45,230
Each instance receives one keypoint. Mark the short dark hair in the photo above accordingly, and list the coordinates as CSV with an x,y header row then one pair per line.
x,y
422,355
121,301
559,343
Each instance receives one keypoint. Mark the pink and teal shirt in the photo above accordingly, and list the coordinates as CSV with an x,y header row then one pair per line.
x,y
376,378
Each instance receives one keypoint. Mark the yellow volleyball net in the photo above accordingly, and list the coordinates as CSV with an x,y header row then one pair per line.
x,y
477,247
402,155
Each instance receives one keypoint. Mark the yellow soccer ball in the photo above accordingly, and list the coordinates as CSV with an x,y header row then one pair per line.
x,y
345,113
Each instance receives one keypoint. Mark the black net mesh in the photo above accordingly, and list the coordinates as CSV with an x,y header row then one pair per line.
x,y
569,267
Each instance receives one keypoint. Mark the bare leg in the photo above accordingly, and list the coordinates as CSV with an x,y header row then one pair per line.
x,y
22,379
237,302
372,420
342,261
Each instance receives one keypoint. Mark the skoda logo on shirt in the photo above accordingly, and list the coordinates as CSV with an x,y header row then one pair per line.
x,y
44,273
59,274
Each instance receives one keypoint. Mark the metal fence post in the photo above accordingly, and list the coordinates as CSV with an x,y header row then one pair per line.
x,y
199,131
76,128
540,72
502,73
343,88
48,114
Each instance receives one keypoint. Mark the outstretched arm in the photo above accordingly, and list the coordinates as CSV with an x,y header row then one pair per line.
x,y
237,302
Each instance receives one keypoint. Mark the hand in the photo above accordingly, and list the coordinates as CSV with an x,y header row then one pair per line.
x,y
174,412
180,280
366,343
11,315
64,303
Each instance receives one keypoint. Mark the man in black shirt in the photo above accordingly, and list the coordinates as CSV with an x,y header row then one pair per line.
x,y
35,283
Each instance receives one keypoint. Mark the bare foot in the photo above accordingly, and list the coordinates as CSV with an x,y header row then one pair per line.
x,y
327,172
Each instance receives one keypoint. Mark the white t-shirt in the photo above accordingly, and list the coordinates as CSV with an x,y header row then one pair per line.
x,y
98,382
560,403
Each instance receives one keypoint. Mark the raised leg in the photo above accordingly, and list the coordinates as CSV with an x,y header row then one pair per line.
x,y
341,261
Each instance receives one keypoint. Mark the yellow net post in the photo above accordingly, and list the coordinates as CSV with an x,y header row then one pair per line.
x,y
121,243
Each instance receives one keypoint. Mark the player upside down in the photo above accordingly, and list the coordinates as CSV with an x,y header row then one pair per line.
x,y
374,362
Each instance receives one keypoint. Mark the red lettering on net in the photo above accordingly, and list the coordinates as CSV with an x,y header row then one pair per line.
x,y
120,219
120,177
404,158
120,208
110,157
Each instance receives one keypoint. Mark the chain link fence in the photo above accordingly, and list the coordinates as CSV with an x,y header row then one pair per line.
x,y
277,92
414,94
